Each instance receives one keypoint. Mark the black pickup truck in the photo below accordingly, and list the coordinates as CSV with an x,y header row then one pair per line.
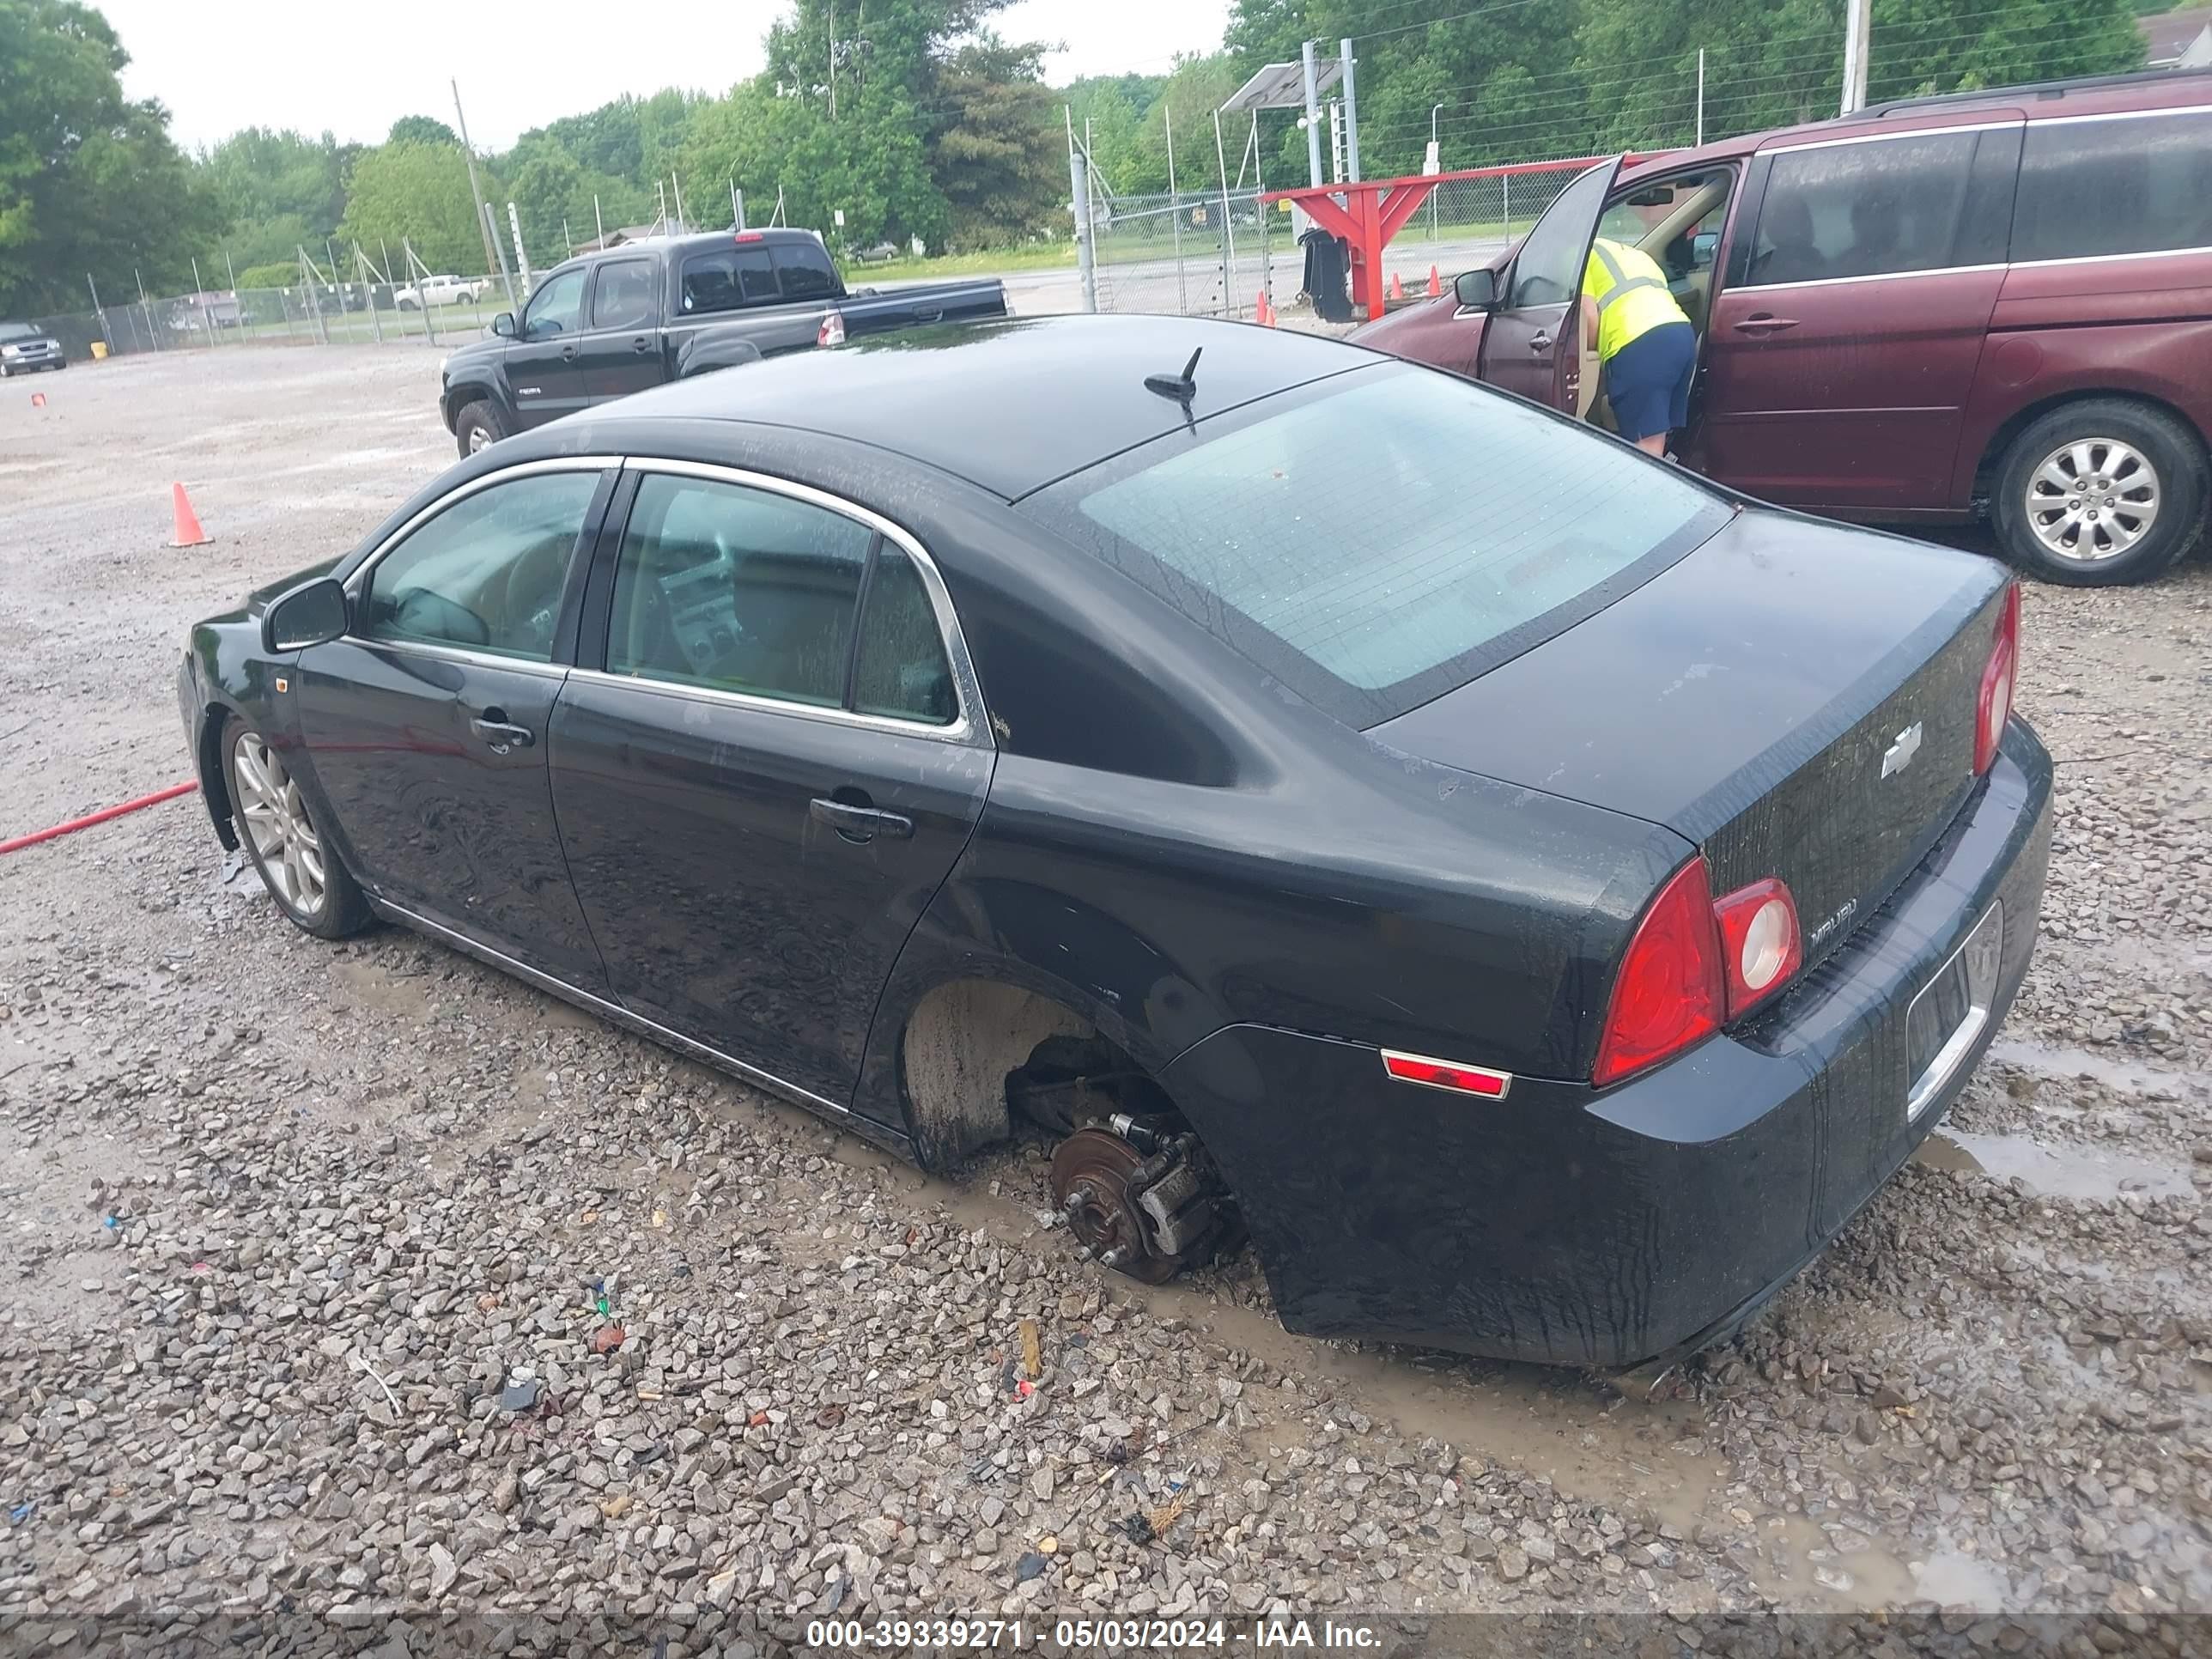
x,y
643,313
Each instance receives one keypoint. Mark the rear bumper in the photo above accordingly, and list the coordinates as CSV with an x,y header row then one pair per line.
x,y
1577,1228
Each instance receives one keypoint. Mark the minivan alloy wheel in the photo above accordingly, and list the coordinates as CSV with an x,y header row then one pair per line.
x,y
2092,499
270,812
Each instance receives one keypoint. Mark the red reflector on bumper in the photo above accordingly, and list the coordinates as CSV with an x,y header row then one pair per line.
x,y
1447,1074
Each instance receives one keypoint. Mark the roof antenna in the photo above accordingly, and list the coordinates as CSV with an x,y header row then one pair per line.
x,y
1181,387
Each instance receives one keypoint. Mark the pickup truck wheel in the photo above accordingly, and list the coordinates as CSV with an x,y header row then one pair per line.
x,y
477,428
2101,492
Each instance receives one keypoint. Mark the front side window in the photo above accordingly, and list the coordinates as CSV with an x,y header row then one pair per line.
x,y
487,573
1876,209
1334,542
558,308
622,297
736,589
2141,184
1548,270
728,277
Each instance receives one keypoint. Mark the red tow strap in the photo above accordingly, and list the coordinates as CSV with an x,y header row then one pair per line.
x,y
101,816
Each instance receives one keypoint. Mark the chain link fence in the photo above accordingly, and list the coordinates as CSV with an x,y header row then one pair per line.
x,y
1212,253
328,314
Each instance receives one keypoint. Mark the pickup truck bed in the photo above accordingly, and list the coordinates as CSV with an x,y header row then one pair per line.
x,y
642,313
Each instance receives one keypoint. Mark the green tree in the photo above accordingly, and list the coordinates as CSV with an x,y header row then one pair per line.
x,y
419,193
996,151
279,190
89,181
421,130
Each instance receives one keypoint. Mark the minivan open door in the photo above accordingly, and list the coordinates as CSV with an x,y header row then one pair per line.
x,y
1532,337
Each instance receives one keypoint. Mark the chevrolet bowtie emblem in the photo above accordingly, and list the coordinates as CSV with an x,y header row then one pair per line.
x,y
1900,754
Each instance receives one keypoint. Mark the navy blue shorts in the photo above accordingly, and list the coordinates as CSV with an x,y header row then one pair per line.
x,y
1647,381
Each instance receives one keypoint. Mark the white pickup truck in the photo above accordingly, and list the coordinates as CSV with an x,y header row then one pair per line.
x,y
439,291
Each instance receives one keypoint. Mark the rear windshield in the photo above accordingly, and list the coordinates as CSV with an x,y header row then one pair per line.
x,y
1390,535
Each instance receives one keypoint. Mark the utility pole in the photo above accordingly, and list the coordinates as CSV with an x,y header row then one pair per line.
x,y
1857,31
490,228
492,261
1313,115
1078,186
1175,213
1351,117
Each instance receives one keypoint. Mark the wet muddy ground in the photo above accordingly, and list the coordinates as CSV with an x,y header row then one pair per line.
x,y
282,1221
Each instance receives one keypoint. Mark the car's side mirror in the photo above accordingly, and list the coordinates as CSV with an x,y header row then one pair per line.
x,y
1475,291
503,324
309,615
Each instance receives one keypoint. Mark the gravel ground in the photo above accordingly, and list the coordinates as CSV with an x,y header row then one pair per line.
x,y
356,1284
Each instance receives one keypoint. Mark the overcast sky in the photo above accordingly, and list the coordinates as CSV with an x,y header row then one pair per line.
x,y
355,69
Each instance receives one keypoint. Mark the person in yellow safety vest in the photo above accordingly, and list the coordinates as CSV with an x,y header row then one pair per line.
x,y
1630,320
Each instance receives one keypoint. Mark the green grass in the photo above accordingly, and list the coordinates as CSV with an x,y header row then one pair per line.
x,y
1034,256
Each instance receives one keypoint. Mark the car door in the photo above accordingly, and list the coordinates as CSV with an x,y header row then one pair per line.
x,y
620,346
769,769
545,367
1841,349
1532,344
427,724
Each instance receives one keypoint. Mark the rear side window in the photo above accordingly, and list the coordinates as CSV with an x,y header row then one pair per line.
x,y
1338,544
805,272
2138,184
726,278
738,589
900,670
1877,208
622,297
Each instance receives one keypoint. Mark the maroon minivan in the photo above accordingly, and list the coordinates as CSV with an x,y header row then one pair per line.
x,y
1990,303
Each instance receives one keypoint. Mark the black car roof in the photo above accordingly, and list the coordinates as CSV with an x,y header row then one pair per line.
x,y
1010,406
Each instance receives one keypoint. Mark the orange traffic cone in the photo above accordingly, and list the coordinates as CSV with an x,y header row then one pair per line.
x,y
1262,313
188,532
1436,285
1397,287
1272,318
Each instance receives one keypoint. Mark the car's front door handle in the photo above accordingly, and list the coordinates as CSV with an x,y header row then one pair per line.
x,y
860,823
1540,341
929,316
641,344
567,354
502,735
1764,323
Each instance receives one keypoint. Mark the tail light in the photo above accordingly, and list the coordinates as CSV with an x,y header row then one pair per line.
x,y
1669,991
1993,705
832,331
1695,963
1760,947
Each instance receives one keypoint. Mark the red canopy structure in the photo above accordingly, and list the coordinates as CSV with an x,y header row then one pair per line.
x,y
1367,214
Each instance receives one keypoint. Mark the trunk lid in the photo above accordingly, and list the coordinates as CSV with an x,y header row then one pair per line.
x,y
1797,698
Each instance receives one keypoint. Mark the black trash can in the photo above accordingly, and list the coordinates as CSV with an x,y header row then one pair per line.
x,y
1328,264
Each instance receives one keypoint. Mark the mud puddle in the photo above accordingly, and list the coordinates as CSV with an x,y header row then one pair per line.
x,y
2068,1064
2073,1172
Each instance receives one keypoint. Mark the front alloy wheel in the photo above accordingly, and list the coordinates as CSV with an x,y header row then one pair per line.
x,y
2092,500
308,880
273,821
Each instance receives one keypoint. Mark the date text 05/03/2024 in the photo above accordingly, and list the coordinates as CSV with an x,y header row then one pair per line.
x,y
852,1635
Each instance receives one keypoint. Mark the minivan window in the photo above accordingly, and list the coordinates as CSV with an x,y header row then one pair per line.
x,y
1333,542
1548,270
1880,208
2141,184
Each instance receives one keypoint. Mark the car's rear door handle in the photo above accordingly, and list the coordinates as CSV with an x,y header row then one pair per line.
x,y
500,734
857,823
642,344
1764,323
929,316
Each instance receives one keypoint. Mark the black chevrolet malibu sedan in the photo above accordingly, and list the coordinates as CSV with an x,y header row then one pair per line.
x,y
1538,896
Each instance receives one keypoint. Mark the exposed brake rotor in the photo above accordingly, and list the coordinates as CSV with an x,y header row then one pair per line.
x,y
1148,1216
